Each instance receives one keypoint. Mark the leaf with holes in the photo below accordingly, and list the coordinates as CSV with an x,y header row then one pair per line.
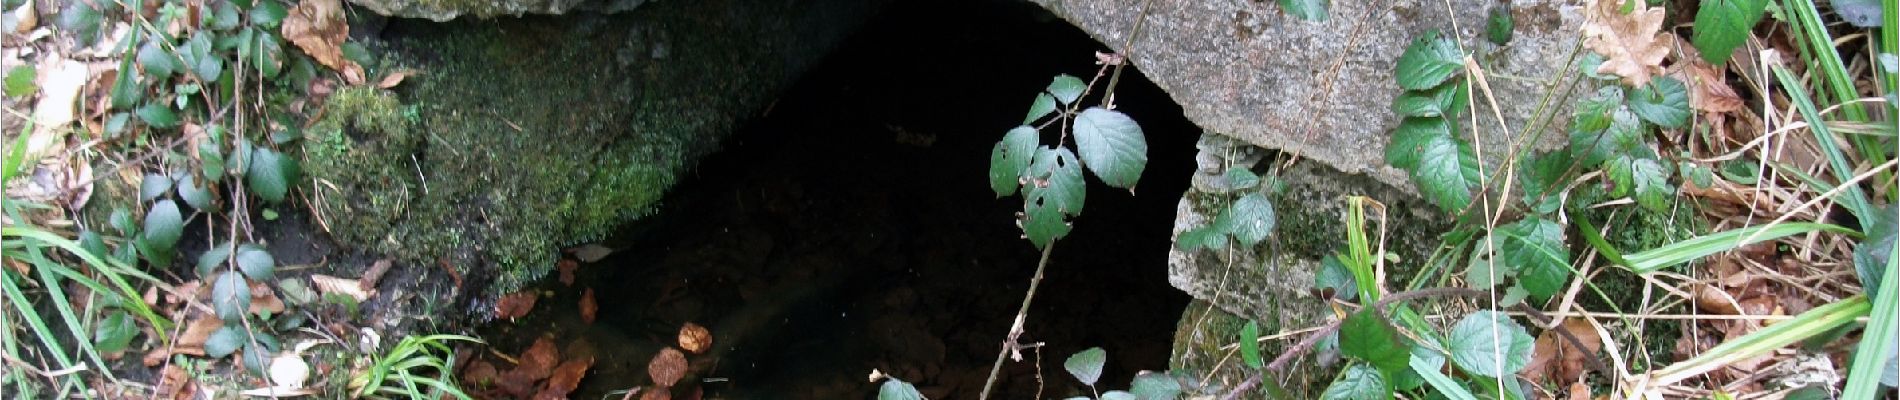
x,y
1010,158
1664,102
230,297
1250,345
1369,337
1250,219
1723,25
1086,365
1112,146
1055,191
256,263
1487,343
1359,382
1427,62
1309,10
1067,89
1043,105
1535,247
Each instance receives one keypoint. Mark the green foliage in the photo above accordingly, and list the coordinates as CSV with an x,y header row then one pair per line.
x,y
894,389
1067,89
1110,144
1310,10
1664,102
1723,25
1335,278
1150,385
1427,62
1359,382
1534,247
1250,345
20,81
418,367
271,174
230,297
1498,26
1086,365
1009,161
1487,343
1367,336
1249,219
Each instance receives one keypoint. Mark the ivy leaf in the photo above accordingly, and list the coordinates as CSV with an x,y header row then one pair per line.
x,y
223,342
230,297
157,115
1359,382
1043,105
1624,133
1489,344
270,175
1332,275
1055,190
1151,385
256,263
1067,88
1112,146
1664,101
1250,345
1250,219
1535,246
1010,158
1367,336
1086,365
163,226
114,333
153,186
1723,25
198,196
1427,62
155,61
1308,10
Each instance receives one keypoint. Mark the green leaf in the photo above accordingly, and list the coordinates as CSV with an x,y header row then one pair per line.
x,y
1117,395
268,13
1543,178
114,333
267,54
1487,343
1445,169
21,81
1308,10
1859,13
256,263
1872,254
211,161
1043,105
1411,137
1067,89
1664,101
1151,385
270,175
223,342
1086,365
1445,99
1699,246
1240,179
1249,219
1250,345
126,90
1498,27
1359,382
1369,337
1334,276
212,258
1484,270
1206,237
1535,247
157,115
155,60
163,226
82,19
1624,134
1429,61
1427,365
1723,25
1010,159
230,297
1594,114
203,60
153,186
1112,146
1643,179
225,17
1055,191
198,196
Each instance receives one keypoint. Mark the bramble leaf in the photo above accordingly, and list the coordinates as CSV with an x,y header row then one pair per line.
x,y
1112,146
1151,385
230,297
1250,345
223,342
256,263
1487,343
1010,158
1250,219
1444,167
1055,191
1067,88
164,225
1043,105
1333,275
1369,337
1624,134
1723,25
270,174
1535,247
1307,10
1086,365
1359,382
1427,62
1664,102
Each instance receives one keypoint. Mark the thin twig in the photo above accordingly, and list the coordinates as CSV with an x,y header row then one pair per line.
x,y
1016,328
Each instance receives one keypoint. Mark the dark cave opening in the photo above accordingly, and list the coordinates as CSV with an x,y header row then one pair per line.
x,y
850,228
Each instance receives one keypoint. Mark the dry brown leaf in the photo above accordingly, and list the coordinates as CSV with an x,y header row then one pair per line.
x,y
566,267
566,377
374,274
318,27
538,362
659,393
480,373
1579,391
589,308
1557,359
1632,44
328,285
191,342
265,299
667,368
1715,300
517,383
176,384
394,78
1708,91
694,338
515,305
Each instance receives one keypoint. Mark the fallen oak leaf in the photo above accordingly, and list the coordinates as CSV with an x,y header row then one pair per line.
x,y
328,285
1708,91
1632,44
318,27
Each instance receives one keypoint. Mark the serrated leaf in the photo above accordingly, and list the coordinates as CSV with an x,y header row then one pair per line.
x,y
267,55
1513,296
1653,190
1010,158
155,61
223,342
1086,365
1427,62
157,115
82,19
256,263
1359,382
1240,179
1489,344
1055,191
1250,345
153,186
1151,385
270,175
1067,89
1369,337
1723,25
1043,105
164,224
198,196
212,258
225,17
1664,101
211,161
1308,10
230,297
126,90
1535,246
1624,134
1483,270
1594,114
1332,275
1543,180
1447,171
201,58
1249,219
1411,137
1206,237
1112,146
114,333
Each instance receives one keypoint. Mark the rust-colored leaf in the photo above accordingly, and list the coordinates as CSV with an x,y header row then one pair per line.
x,y
317,27
394,78
176,384
566,378
480,373
191,342
667,368
515,305
694,338
538,362
1708,91
1632,44
517,383
263,298
588,307
566,267
656,393
1557,359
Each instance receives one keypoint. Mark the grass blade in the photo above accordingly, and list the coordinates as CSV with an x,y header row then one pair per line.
x,y
1698,247
1854,199
1814,322
1876,342
1444,384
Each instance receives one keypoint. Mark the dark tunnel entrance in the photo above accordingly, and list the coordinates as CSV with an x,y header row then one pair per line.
x,y
851,228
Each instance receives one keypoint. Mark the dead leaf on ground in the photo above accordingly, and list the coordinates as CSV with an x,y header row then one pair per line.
x,y
515,305
1708,91
394,78
191,342
590,252
566,267
1579,391
263,298
589,308
659,393
318,27
538,362
517,383
352,288
1558,359
374,274
1632,44
176,384
694,338
59,80
566,377
667,368
480,373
